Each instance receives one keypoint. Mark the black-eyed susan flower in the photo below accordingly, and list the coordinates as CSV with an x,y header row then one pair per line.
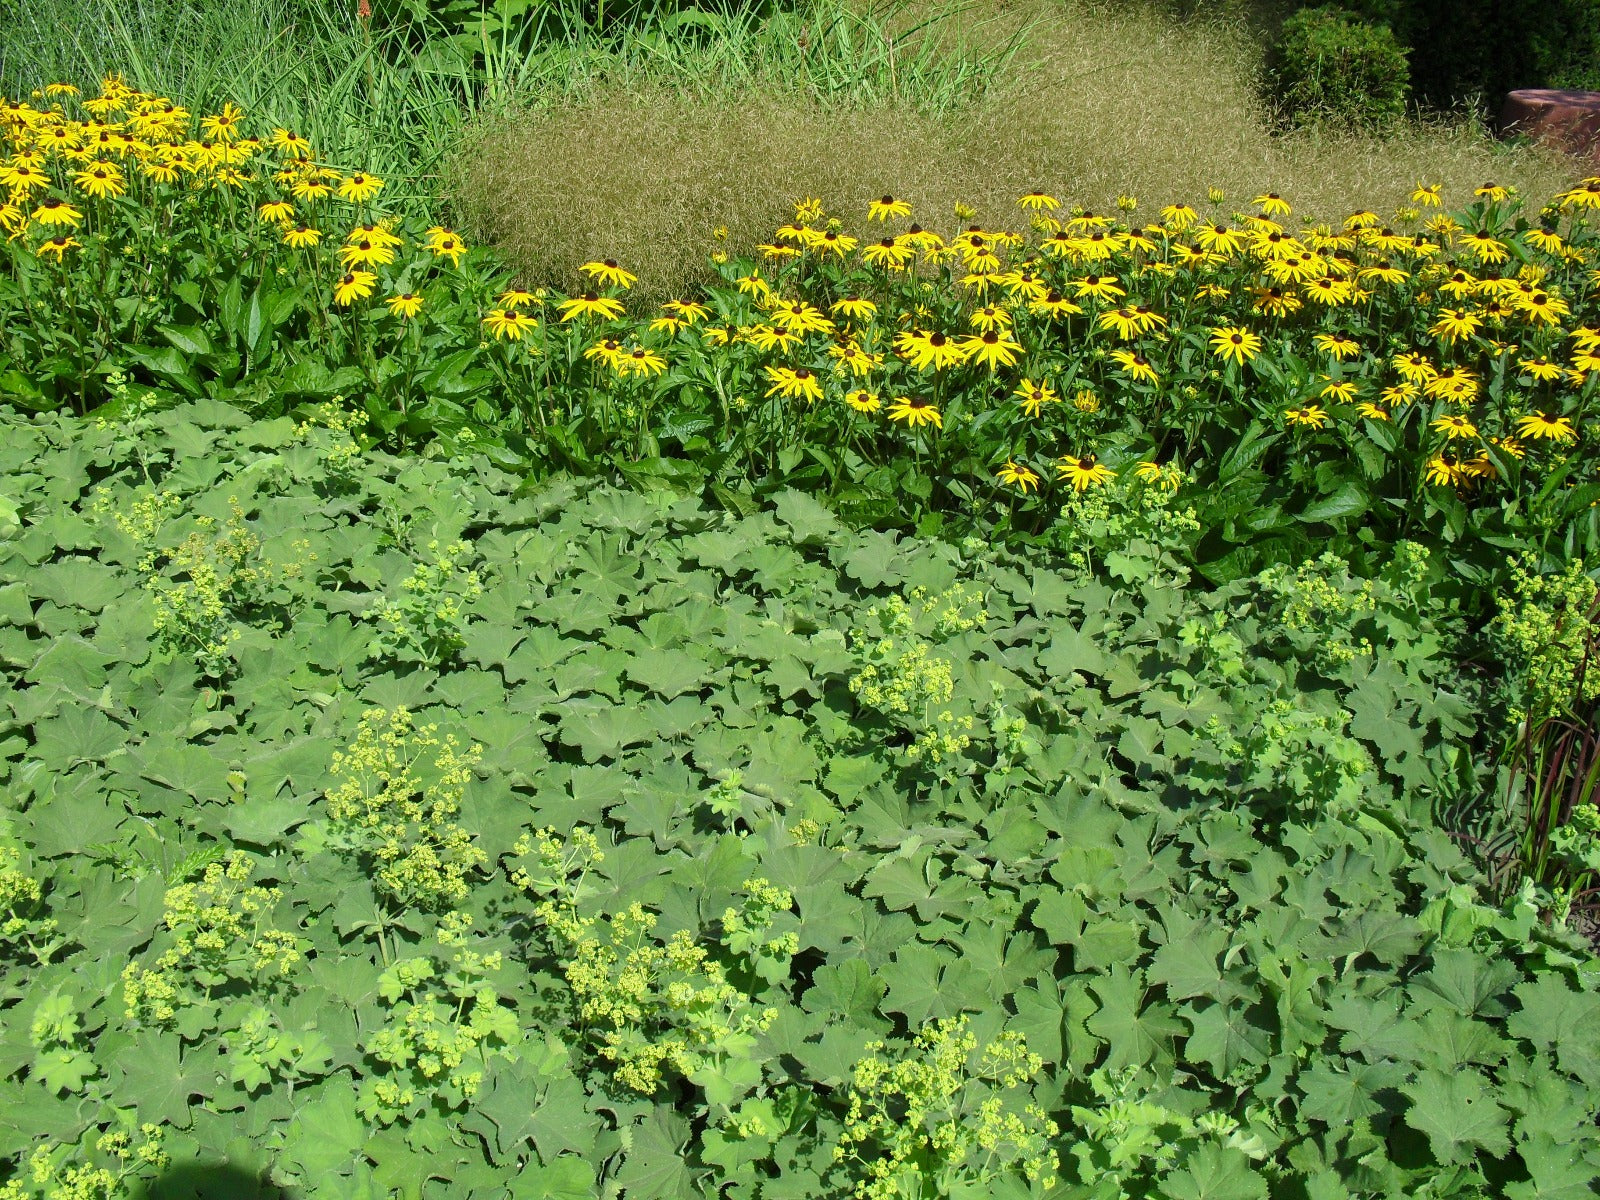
x,y
509,323
607,351
1311,416
850,357
374,232
862,401
1371,411
1038,202
689,311
640,360
854,307
793,383
1035,396
57,246
1055,306
1178,217
310,189
1272,204
1097,287
1445,470
353,286
924,350
1398,395
1330,291
1083,472
302,237
405,304
1338,345
359,188
831,241
1276,302
223,126
1546,425
1454,426
993,348
1383,271
276,212
1235,342
1217,238
799,317
365,253
1455,324
1492,192
1484,246
590,304
608,273
1457,384
887,206
444,244
1341,391
914,411
1544,308
1018,475
1136,365
55,211
290,143
888,253
1541,368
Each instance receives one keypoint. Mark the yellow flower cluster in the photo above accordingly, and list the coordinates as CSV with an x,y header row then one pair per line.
x,y
218,934
944,1117
392,809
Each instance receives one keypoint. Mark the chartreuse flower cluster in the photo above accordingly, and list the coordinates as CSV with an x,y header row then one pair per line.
x,y
898,675
657,1009
1309,598
218,935
120,1161
427,622
25,929
398,791
1543,628
945,1118
444,1025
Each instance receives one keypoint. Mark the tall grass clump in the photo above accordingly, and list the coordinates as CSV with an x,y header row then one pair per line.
x,y
1090,102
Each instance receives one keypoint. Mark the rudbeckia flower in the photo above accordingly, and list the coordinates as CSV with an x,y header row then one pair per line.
x,y
1454,425
53,211
405,304
1035,396
509,323
223,126
925,350
607,272
1455,324
1372,412
1083,472
1098,287
1272,204
1444,470
1426,194
365,253
888,253
1313,416
302,236
1019,476
854,307
1038,201
358,189
1547,425
1135,365
1235,342
291,144
888,206
992,349
862,401
1492,192
445,244
793,383
915,412
352,286
590,304
277,212
799,317
640,361
1336,344
58,246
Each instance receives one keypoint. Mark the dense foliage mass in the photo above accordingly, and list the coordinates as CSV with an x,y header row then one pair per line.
x,y
461,824
1363,382
378,823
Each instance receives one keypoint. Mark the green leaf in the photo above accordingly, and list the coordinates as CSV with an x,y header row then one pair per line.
x,y
1458,1114
1215,1172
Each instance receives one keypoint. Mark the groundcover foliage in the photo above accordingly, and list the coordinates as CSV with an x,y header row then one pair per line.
x,y
385,826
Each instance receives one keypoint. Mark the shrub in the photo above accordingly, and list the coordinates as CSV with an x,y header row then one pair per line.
x,y
1329,65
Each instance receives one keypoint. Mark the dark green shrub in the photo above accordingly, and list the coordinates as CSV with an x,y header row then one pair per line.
x,y
1478,50
1329,65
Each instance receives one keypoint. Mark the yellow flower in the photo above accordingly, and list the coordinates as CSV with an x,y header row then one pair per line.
x,y
793,383
925,350
57,212
608,273
889,253
354,285
1083,472
291,144
1492,191
1018,475
607,351
799,317
445,244
1443,469
1135,364
1454,425
1547,425
1372,412
302,236
888,206
862,400
365,253
1312,415
1235,342
1343,391
100,180
1035,396
358,189
58,246
914,412
1337,344
509,323
224,126
276,212
1272,204
992,349
405,304
516,298
640,361
1085,401
1426,194
854,307
1038,201
590,304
